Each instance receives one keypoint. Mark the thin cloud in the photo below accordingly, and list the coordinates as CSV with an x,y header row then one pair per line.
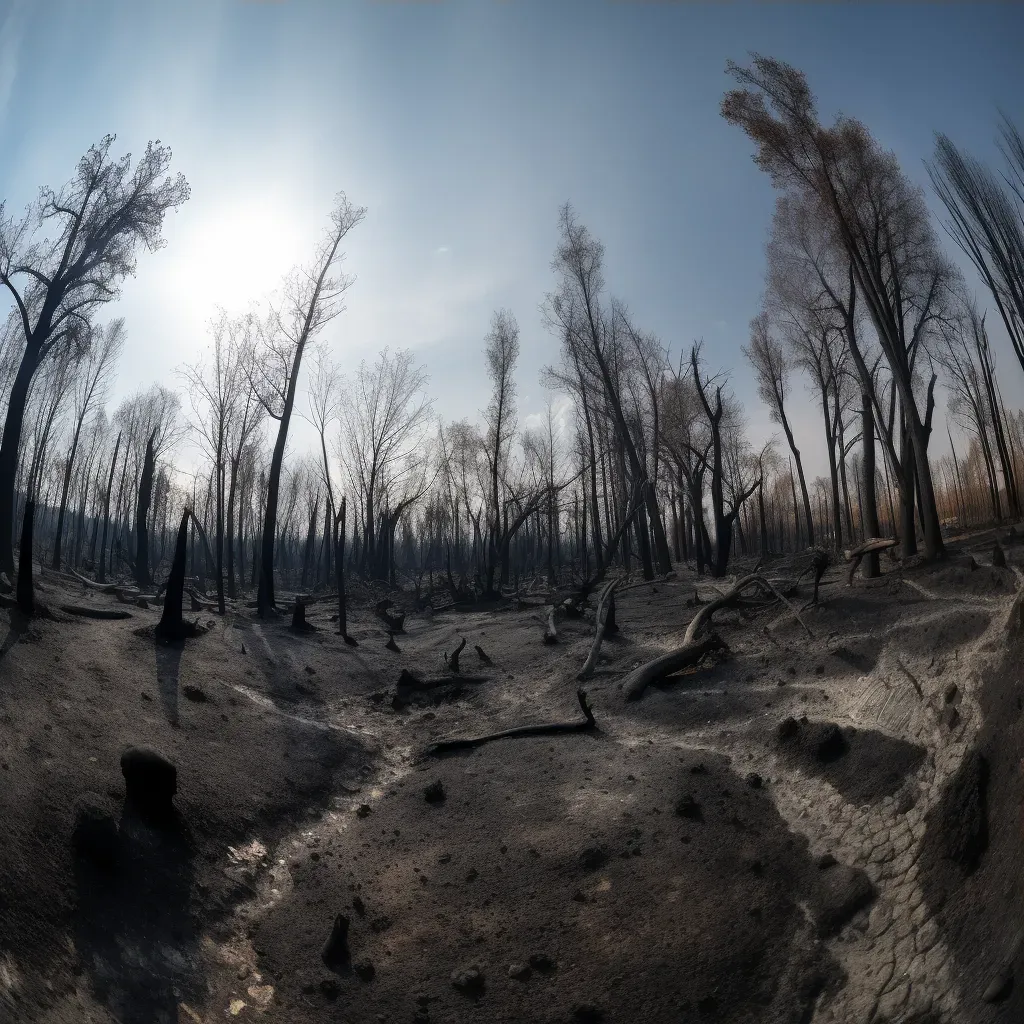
x,y
11,32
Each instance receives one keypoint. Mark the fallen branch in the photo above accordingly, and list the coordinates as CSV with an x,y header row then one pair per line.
x,y
550,633
789,605
551,728
692,650
104,588
872,544
407,681
95,613
599,621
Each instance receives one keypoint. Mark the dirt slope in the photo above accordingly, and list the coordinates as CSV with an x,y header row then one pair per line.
x,y
818,828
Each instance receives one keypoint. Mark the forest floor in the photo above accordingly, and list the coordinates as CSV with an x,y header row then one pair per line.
x,y
691,859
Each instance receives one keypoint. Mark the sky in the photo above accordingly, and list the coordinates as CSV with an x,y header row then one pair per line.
x,y
462,127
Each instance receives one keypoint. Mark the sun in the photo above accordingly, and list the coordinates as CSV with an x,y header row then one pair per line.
x,y
237,253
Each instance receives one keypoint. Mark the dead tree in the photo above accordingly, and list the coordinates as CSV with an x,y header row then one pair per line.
x,y
312,297
692,650
92,230
550,633
453,661
607,597
171,625
25,593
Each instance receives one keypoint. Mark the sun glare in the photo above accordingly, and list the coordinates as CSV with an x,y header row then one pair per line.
x,y
239,253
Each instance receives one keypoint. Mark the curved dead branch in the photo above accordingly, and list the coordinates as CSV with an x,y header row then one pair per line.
x,y
599,621
588,724
872,544
692,650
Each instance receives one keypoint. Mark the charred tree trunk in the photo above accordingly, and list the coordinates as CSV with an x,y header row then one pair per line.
x,y
25,594
106,509
142,576
172,625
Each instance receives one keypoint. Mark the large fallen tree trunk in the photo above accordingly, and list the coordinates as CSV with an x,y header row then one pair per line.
x,y
102,588
607,596
546,729
855,556
692,649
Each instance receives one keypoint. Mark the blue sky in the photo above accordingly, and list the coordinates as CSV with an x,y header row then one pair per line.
x,y
462,127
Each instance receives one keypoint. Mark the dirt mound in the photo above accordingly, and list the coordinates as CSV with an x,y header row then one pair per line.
x,y
972,857
575,880
865,765
960,580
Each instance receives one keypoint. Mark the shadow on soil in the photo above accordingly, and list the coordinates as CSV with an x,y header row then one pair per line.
x,y
972,857
580,882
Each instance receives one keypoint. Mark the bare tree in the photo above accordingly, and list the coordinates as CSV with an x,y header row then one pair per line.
x,y
217,385
771,370
875,216
575,312
91,382
383,414
311,298
66,257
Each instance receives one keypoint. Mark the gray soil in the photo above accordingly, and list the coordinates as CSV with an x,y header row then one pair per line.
x,y
807,828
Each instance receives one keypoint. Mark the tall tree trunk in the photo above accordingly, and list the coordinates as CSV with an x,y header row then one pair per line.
x,y
106,508
142,575
10,444
868,501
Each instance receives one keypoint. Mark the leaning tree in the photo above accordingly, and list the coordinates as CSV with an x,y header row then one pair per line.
x,y
65,257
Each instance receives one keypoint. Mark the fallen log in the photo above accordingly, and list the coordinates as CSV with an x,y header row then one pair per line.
x,y
548,729
408,682
104,588
550,633
855,556
692,649
95,613
600,623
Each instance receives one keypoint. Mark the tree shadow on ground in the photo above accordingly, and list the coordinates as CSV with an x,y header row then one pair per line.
x,y
133,928
168,673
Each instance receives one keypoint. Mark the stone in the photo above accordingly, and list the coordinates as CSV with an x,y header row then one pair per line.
x,y
593,857
434,793
519,971
469,980
754,781
543,963
787,729
840,893
365,970
151,781
689,808
336,952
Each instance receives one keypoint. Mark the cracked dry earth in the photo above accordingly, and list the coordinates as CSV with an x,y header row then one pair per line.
x,y
822,826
